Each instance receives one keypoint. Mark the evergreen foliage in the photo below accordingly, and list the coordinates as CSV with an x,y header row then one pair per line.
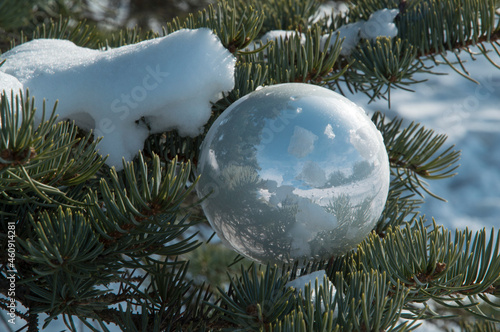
x,y
103,247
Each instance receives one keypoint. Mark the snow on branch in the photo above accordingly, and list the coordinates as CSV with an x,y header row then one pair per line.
x,y
9,83
380,24
127,93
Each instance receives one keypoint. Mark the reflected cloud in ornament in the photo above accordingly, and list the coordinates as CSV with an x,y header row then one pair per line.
x,y
302,142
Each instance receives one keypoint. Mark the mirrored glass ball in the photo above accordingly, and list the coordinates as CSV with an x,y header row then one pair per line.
x,y
293,172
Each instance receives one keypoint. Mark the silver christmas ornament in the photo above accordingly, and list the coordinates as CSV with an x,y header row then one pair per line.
x,y
293,172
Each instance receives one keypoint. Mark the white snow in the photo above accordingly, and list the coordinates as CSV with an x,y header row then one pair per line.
x,y
279,35
126,94
380,24
318,278
301,142
468,114
350,35
9,84
276,36
328,8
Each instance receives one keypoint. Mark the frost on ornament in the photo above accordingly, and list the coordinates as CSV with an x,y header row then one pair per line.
x,y
293,172
127,93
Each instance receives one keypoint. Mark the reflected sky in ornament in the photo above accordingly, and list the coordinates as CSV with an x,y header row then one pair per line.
x,y
294,172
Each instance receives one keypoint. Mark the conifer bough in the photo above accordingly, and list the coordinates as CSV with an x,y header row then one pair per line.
x,y
101,247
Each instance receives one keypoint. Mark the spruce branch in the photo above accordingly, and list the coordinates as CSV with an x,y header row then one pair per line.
x,y
401,207
236,25
450,26
248,76
170,303
368,301
16,14
433,265
66,243
5,302
383,64
297,60
127,36
363,301
479,326
41,159
79,32
429,30
286,14
312,313
257,299
416,153
129,228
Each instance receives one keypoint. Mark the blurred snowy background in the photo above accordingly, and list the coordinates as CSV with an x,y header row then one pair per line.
x,y
469,114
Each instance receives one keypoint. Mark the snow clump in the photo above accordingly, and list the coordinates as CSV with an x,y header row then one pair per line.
x,y
380,24
281,35
277,36
318,278
9,85
127,93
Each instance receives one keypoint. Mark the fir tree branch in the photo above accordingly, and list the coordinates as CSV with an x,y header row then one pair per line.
x,y
41,159
255,300
4,302
415,153
236,25
430,28
298,60
115,222
433,265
